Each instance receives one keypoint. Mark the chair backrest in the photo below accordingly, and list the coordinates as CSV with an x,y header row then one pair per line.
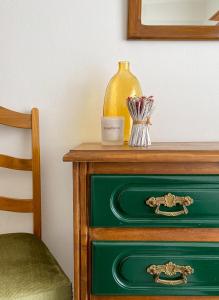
x,y
26,121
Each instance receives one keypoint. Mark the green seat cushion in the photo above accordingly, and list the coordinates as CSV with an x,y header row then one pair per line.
x,y
28,270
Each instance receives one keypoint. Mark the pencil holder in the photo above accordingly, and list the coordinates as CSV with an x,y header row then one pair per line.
x,y
140,109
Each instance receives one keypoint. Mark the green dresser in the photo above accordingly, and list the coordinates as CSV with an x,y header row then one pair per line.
x,y
146,222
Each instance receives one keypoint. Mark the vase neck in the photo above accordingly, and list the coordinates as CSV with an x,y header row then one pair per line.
x,y
124,66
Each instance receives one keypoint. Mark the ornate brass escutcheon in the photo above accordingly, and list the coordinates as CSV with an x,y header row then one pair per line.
x,y
170,200
170,269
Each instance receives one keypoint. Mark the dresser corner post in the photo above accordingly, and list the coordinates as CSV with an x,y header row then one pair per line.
x,y
76,231
84,223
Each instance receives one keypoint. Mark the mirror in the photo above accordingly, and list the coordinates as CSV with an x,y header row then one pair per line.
x,y
180,12
174,19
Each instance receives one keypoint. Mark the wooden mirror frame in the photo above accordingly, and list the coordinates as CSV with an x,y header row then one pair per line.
x,y
136,30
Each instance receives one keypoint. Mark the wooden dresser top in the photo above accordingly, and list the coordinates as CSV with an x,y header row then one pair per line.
x,y
157,152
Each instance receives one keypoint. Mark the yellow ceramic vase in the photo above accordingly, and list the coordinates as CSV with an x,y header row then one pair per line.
x,y
123,85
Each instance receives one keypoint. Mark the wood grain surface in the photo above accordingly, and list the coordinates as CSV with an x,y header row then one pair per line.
x,y
14,119
15,163
77,231
155,234
16,205
157,152
36,177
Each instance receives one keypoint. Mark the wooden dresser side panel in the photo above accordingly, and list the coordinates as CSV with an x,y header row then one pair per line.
x,y
76,239
84,221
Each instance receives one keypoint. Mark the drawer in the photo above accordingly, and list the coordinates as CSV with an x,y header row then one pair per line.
x,y
154,201
155,268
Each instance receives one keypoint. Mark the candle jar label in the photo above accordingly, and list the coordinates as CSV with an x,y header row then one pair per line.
x,y
112,130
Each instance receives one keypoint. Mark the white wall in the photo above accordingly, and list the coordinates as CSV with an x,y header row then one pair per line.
x,y
58,56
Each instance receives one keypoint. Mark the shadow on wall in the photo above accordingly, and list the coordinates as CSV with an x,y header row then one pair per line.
x,y
85,104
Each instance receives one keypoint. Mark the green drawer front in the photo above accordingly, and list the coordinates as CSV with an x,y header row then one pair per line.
x,y
120,268
120,200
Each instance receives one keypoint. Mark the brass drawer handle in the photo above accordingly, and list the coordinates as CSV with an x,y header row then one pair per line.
x,y
170,200
170,269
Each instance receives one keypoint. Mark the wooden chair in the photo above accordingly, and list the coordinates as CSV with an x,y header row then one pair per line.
x,y
27,268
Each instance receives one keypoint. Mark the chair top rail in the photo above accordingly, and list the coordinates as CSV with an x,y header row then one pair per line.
x,y
15,163
16,205
15,119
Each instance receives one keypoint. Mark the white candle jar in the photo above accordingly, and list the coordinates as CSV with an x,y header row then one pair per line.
x,y
112,130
